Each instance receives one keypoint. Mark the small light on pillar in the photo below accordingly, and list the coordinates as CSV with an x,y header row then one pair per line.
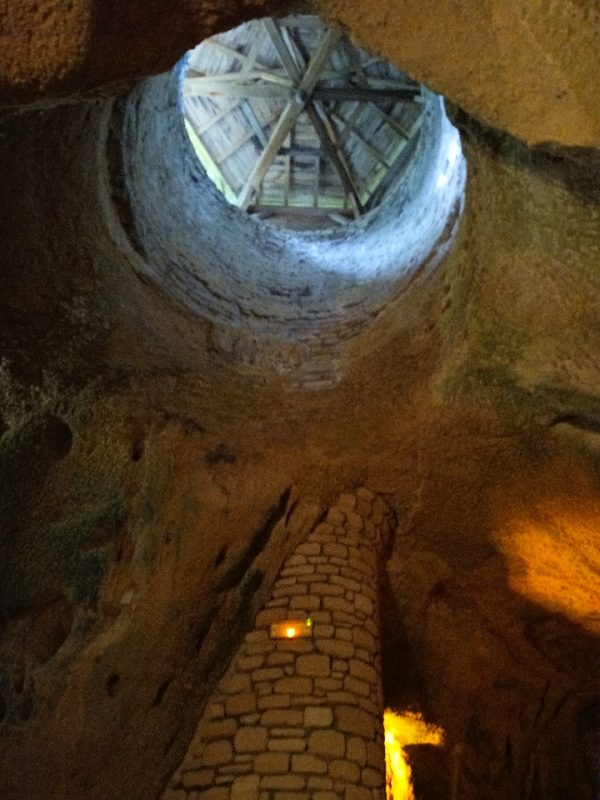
x,y
292,629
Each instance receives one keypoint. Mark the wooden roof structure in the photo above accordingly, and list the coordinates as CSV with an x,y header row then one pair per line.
x,y
296,124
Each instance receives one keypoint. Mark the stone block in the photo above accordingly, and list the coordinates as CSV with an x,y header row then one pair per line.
x,y
354,720
217,729
363,639
335,549
256,636
234,683
247,663
363,671
251,740
335,647
323,632
363,604
356,686
295,572
348,584
273,701
327,743
326,589
250,719
215,793
372,777
287,795
306,762
278,717
236,769
318,717
219,752
306,602
375,754
294,685
340,665
198,778
270,615
320,782
239,704
215,711
356,750
328,684
267,674
335,604
343,770
295,744
279,658
321,616
271,763
308,549
286,733
357,793
313,665
296,559
245,788
290,782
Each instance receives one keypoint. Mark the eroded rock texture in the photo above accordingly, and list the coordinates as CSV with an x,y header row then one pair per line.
x,y
151,487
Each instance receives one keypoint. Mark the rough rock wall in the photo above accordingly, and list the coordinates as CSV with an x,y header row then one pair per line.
x,y
137,470
529,69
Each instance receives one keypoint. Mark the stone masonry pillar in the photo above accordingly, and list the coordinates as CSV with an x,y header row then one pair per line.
x,y
302,718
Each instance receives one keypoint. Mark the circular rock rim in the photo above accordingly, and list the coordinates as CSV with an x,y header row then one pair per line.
x,y
262,281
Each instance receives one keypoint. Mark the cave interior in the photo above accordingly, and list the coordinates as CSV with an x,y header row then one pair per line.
x,y
301,434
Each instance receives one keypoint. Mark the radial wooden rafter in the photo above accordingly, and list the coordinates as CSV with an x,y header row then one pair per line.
x,y
317,112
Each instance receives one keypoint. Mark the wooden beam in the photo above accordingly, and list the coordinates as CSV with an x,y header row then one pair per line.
x,y
291,112
357,66
225,154
365,95
200,129
393,174
244,59
336,155
254,122
272,28
284,125
232,86
345,124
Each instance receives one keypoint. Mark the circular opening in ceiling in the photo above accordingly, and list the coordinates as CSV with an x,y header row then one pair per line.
x,y
295,124
286,296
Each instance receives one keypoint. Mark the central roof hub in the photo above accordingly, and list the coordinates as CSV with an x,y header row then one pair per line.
x,y
296,124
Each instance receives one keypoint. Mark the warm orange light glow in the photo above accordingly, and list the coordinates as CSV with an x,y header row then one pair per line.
x,y
292,629
551,548
401,730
